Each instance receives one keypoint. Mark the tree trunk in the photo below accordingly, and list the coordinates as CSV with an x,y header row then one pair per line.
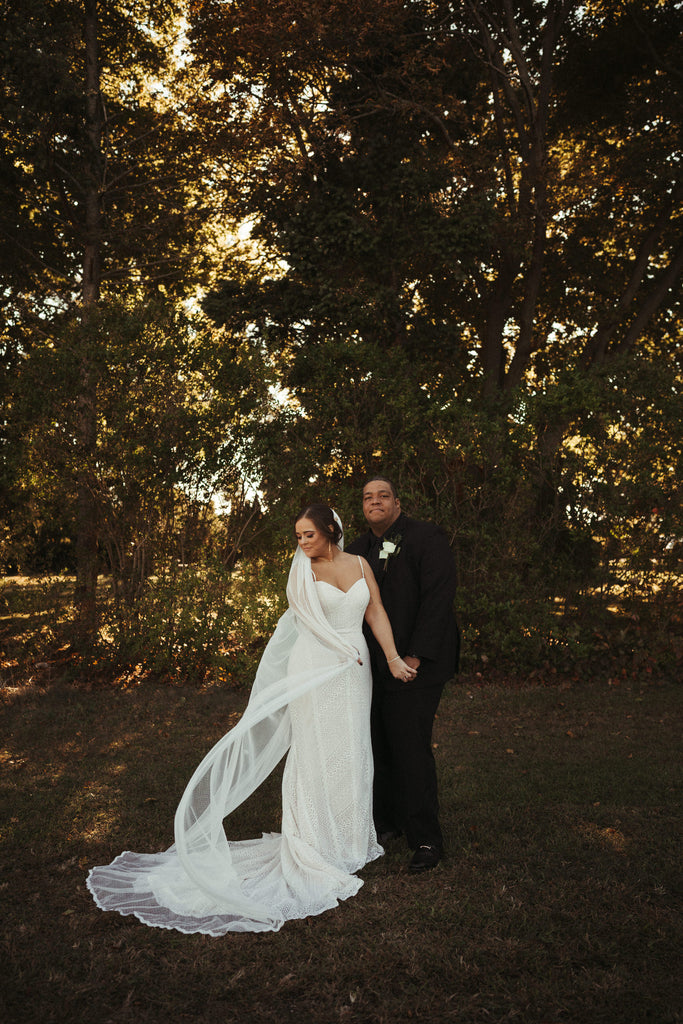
x,y
86,508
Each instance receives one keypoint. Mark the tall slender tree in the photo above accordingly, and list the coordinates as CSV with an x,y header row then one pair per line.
x,y
100,196
86,425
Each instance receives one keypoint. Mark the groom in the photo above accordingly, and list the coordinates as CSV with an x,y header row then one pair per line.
x,y
415,570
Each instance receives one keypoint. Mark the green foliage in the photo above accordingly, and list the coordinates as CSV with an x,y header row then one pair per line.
x,y
179,626
428,176
555,561
149,206
461,271
198,622
97,199
470,281
171,406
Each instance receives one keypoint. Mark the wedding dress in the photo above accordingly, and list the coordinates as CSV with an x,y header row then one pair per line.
x,y
311,700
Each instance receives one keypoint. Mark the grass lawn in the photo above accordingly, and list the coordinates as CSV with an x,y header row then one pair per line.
x,y
556,902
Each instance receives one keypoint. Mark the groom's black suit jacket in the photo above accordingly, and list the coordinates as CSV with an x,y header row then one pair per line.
x,y
417,584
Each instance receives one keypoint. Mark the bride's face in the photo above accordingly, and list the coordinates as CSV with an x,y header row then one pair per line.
x,y
310,539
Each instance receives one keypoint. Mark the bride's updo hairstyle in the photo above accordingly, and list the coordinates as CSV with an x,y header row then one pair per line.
x,y
323,518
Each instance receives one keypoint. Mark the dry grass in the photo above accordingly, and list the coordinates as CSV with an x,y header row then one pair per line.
x,y
555,904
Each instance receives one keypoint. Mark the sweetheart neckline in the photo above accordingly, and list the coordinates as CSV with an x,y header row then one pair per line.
x,y
339,588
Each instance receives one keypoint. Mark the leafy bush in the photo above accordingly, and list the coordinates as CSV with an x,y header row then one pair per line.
x,y
198,622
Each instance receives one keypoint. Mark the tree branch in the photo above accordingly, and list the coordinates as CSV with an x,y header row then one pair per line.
x,y
596,347
667,281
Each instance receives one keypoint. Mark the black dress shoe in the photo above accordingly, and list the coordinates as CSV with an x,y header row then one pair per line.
x,y
424,859
386,837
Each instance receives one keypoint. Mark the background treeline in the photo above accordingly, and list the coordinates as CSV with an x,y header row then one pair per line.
x,y
253,251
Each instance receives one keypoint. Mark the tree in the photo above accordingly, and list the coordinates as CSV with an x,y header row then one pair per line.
x,y
101,194
428,179
468,225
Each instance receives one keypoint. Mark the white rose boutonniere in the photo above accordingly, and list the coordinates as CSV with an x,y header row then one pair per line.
x,y
389,549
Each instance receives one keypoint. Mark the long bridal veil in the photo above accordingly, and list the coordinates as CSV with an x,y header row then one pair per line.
x,y
195,885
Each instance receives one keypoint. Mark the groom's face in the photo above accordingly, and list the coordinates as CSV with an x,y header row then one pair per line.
x,y
380,507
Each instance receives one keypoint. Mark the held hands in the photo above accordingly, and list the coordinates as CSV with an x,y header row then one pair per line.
x,y
401,670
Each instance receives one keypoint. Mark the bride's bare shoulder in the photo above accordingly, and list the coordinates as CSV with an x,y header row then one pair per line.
x,y
351,559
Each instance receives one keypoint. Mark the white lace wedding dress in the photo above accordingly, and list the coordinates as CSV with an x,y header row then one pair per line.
x,y
311,699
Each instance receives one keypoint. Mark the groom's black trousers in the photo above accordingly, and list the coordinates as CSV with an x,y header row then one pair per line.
x,y
405,795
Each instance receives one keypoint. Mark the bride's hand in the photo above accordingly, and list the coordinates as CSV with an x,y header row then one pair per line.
x,y
400,670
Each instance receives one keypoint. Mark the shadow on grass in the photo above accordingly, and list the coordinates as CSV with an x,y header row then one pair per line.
x,y
554,903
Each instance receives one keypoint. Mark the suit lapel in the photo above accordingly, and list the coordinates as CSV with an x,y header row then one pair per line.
x,y
395,534
384,568
373,557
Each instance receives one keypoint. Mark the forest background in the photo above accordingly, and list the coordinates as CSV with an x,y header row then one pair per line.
x,y
254,251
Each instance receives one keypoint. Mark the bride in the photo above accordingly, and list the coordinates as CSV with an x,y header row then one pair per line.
x,y
310,700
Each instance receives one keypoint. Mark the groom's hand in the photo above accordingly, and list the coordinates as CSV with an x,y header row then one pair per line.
x,y
412,661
